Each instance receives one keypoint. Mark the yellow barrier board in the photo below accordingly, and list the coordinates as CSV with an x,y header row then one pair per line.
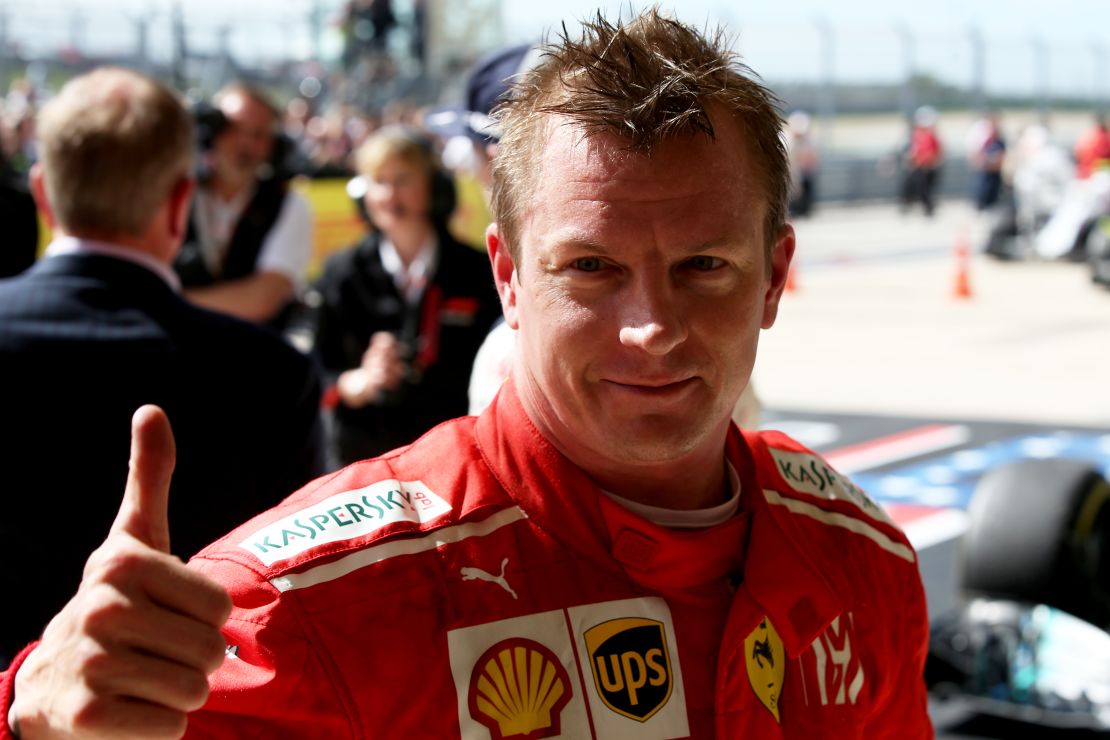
x,y
335,220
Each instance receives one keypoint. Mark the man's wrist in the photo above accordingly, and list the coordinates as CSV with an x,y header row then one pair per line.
x,y
8,677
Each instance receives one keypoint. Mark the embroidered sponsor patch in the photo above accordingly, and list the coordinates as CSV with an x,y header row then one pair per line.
x,y
766,660
518,678
631,665
637,688
346,516
519,688
833,666
810,474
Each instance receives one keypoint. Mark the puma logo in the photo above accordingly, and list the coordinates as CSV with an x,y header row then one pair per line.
x,y
477,574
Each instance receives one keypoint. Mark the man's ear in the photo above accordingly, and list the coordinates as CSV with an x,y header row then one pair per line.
x,y
180,197
781,256
37,178
504,273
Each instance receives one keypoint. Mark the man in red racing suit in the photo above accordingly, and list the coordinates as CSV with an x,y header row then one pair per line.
x,y
505,595
602,553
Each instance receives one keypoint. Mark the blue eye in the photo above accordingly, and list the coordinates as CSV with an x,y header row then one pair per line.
x,y
705,263
587,264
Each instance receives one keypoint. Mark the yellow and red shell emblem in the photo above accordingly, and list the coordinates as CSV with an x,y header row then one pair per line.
x,y
518,689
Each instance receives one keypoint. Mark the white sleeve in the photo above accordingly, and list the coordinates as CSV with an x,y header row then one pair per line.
x,y
288,246
492,366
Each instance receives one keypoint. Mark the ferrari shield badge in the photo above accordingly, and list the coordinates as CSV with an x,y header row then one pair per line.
x,y
766,661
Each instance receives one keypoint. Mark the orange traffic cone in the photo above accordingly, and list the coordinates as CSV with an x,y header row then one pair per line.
x,y
961,284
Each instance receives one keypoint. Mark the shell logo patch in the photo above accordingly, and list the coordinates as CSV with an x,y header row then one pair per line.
x,y
631,665
518,688
766,660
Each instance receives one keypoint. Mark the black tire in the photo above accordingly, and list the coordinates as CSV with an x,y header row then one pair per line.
x,y
1039,531
1098,252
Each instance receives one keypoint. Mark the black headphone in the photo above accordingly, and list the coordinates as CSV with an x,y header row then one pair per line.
x,y
208,123
443,196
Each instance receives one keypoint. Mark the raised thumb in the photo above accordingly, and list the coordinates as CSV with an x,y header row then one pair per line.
x,y
144,511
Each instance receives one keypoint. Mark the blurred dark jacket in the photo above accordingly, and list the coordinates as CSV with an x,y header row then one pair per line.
x,y
84,340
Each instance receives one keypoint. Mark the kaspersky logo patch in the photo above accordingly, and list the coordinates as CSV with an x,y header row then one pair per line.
x,y
811,474
346,516
766,660
518,689
631,665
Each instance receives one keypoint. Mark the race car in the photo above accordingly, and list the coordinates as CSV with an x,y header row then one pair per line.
x,y
1030,642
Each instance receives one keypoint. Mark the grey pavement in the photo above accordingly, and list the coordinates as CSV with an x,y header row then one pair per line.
x,y
873,326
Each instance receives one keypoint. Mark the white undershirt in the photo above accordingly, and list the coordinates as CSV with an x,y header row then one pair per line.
x,y
411,280
688,518
286,248
215,221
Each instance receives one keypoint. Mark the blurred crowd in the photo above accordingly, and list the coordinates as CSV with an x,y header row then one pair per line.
x,y
367,318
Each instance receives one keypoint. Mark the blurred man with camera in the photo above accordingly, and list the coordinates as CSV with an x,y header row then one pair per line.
x,y
250,236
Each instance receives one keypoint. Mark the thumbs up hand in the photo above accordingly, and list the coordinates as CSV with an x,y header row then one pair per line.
x,y
130,654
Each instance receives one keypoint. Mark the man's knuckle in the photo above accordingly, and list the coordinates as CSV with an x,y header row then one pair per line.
x,y
210,651
194,690
105,609
120,564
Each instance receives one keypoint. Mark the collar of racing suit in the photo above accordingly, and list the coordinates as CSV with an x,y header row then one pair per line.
x,y
761,550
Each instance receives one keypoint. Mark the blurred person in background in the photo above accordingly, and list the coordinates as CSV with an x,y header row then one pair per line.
x,y
1084,203
403,312
987,157
97,328
922,158
1042,170
1092,148
250,235
470,134
803,164
20,244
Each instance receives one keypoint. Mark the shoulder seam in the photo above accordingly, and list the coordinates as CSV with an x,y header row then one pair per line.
x,y
381,551
855,524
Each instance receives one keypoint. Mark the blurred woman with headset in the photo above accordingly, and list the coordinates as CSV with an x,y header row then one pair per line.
x,y
403,311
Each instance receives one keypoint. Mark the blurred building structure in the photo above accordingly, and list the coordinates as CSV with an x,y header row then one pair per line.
x,y
313,50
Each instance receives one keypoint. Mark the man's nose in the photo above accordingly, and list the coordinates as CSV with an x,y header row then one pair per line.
x,y
650,315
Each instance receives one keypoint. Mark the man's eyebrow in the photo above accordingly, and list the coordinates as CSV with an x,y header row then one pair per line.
x,y
580,245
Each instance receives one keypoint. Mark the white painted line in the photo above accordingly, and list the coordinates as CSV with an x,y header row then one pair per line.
x,y
933,529
895,447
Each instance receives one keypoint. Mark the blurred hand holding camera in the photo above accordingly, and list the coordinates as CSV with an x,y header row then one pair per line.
x,y
381,370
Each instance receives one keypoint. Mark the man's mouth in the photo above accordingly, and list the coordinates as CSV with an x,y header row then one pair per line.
x,y
653,387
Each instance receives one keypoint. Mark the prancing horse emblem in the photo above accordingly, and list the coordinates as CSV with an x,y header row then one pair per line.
x,y
477,574
761,651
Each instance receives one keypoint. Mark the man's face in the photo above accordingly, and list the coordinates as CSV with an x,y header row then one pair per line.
x,y
246,143
641,287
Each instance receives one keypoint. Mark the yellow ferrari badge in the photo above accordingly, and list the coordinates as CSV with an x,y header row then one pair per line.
x,y
766,661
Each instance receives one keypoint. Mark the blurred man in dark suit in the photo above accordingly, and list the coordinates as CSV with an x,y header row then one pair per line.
x,y
21,222
97,328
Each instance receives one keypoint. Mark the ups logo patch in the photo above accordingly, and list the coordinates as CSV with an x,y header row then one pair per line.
x,y
631,665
